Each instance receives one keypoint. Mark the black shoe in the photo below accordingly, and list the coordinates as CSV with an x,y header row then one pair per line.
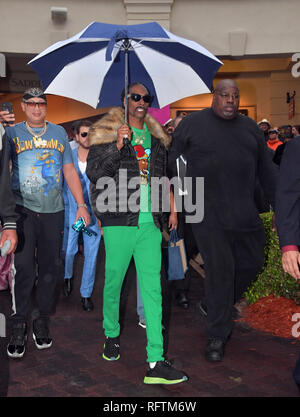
x,y
17,342
111,349
214,350
164,373
40,333
68,286
87,304
202,308
182,300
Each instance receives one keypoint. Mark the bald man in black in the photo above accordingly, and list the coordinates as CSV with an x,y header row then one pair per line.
x,y
228,150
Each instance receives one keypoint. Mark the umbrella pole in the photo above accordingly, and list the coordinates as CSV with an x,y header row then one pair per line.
x,y
126,46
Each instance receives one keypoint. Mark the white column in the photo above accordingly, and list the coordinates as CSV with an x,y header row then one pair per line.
x,y
144,11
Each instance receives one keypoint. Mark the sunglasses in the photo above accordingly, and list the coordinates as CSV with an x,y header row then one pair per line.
x,y
137,97
32,104
272,131
84,134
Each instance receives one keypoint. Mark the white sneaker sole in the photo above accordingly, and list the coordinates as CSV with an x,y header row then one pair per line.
x,y
15,355
40,347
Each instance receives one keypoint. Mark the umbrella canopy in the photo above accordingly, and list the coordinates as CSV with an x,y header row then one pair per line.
x,y
94,65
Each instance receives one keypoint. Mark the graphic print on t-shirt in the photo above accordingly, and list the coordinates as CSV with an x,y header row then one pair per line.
x,y
50,170
142,156
43,162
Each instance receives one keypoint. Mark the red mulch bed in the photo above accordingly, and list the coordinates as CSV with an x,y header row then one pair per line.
x,y
274,315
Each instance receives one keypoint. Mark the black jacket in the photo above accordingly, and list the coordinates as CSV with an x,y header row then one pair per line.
x,y
7,203
287,213
232,157
110,171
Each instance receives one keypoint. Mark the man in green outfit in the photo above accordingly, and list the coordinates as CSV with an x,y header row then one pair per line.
x,y
130,222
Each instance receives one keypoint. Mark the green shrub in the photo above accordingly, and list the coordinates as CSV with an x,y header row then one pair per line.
x,y
272,280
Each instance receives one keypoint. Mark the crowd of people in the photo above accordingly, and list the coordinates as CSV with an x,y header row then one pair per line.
x,y
104,187
277,137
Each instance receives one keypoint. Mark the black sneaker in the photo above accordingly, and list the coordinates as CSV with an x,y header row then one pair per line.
x,y
40,333
111,349
214,350
17,342
164,373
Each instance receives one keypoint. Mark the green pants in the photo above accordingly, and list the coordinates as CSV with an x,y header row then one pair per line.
x,y
144,244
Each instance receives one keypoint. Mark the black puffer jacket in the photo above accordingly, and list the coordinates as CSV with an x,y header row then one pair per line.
x,y
107,165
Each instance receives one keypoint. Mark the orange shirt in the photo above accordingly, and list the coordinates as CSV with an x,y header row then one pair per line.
x,y
273,144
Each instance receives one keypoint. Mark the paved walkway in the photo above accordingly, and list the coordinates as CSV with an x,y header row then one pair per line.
x,y
255,365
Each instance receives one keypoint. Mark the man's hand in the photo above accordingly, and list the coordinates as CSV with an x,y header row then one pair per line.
x,y
6,117
123,131
9,234
290,263
173,221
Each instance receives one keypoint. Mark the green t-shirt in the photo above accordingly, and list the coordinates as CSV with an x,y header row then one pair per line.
x,y
141,142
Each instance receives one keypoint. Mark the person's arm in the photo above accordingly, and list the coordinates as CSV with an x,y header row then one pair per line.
x,y
173,218
74,184
178,146
267,171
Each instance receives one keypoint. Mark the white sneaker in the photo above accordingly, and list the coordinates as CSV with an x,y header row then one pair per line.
x,y
142,323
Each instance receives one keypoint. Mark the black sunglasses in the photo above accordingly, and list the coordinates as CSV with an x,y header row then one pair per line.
x,y
84,134
137,97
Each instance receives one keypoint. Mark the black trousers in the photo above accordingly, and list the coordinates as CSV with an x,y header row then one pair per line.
x,y
231,261
40,236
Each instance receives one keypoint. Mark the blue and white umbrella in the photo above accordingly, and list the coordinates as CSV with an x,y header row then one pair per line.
x,y
94,66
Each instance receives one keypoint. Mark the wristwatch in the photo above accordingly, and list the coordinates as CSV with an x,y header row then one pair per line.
x,y
82,205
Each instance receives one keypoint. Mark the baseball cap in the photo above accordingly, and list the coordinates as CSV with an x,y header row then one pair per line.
x,y
264,121
34,92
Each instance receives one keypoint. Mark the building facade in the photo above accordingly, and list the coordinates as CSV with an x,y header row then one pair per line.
x,y
257,40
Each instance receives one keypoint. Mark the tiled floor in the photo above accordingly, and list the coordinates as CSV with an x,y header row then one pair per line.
x,y
255,365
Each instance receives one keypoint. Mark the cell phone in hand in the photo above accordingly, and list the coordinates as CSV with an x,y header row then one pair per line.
x,y
7,106
79,225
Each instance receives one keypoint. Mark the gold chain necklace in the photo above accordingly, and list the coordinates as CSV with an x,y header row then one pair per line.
x,y
139,139
37,137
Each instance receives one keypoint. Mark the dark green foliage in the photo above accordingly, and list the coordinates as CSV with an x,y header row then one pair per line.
x,y
272,279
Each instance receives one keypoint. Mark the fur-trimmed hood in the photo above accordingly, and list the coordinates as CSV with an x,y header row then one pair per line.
x,y
105,130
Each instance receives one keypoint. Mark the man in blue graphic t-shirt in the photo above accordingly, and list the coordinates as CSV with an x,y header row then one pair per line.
x,y
41,158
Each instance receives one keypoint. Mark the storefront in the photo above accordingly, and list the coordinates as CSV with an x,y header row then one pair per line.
x,y
264,84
